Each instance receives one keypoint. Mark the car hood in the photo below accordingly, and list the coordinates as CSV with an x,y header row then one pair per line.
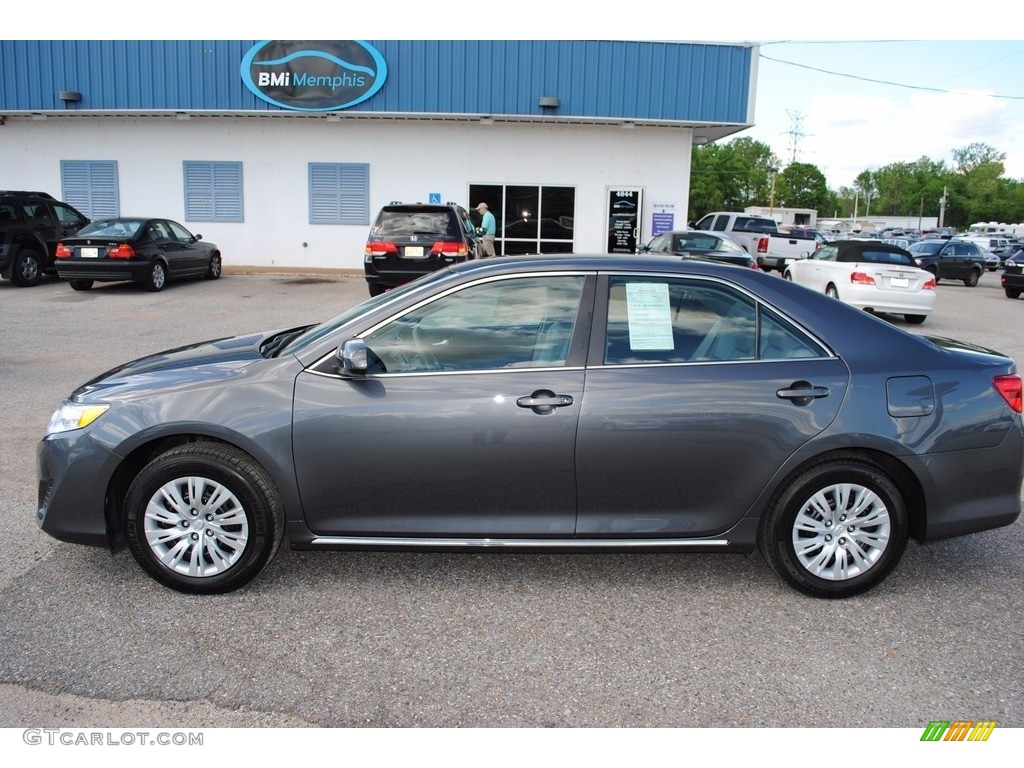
x,y
203,361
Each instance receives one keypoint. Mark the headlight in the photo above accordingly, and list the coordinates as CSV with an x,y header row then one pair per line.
x,y
74,416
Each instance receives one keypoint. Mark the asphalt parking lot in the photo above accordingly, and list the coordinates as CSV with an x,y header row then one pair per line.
x,y
465,640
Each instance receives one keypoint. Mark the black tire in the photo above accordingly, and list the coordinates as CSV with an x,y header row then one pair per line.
x,y
825,537
914,319
788,275
376,289
830,290
157,278
1012,293
242,529
935,273
26,267
972,278
214,268
80,285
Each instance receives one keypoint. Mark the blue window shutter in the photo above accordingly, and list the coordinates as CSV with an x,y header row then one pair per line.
x,y
91,187
213,191
339,193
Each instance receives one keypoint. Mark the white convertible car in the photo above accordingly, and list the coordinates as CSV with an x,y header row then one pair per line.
x,y
873,276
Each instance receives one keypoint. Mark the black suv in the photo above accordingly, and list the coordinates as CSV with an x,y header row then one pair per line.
x,y
31,224
950,259
412,239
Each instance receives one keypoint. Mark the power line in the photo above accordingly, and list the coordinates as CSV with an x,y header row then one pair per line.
x,y
880,82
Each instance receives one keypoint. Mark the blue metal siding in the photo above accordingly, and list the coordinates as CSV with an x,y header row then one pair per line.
x,y
686,82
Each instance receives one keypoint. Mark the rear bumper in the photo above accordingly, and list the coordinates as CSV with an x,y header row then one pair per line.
x,y
103,270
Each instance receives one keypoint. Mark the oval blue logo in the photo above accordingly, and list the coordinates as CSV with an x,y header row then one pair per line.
x,y
314,76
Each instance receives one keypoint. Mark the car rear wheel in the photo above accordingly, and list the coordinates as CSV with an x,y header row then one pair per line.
x,y
1012,293
914,319
376,289
80,285
213,270
836,529
203,518
972,278
157,277
27,268
831,291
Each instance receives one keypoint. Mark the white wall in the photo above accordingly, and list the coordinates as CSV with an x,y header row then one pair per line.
x,y
408,160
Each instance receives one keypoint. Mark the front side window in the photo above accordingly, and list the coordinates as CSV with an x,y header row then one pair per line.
x,y
517,323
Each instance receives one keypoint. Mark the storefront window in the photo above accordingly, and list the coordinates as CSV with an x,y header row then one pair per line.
x,y
530,218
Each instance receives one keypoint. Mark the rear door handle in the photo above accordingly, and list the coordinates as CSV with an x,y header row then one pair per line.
x,y
802,393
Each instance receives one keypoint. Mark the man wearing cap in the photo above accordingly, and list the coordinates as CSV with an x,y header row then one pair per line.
x,y
488,228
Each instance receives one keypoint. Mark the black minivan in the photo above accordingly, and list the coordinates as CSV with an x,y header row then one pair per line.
x,y
411,239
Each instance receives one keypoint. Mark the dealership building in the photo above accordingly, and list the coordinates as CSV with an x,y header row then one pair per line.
x,y
282,152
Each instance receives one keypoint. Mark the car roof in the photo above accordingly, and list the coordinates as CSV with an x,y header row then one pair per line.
x,y
861,245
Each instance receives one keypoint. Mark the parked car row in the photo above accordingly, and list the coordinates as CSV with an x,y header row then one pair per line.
x,y
40,235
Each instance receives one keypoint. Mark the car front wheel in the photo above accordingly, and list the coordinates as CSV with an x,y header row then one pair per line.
x,y
836,529
203,518
213,270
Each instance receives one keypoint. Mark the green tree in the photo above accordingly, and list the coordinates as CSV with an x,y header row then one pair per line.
x,y
802,185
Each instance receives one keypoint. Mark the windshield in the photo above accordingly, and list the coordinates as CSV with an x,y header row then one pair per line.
x,y
317,333
927,248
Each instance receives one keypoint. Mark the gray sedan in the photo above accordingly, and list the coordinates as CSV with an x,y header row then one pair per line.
x,y
547,403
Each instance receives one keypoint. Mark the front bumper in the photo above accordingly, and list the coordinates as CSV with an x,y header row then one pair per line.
x,y
73,472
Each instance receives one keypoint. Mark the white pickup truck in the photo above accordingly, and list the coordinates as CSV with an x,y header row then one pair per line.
x,y
760,237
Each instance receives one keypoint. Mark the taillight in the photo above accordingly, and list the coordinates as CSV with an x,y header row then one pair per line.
x,y
382,246
929,285
62,252
449,249
861,278
122,251
1009,386
762,245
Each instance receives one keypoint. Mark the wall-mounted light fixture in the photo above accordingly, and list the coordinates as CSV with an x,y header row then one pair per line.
x,y
548,102
486,120
700,141
628,125
182,116
70,96
333,119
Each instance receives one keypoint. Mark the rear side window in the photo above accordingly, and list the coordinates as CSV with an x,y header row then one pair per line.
x,y
670,320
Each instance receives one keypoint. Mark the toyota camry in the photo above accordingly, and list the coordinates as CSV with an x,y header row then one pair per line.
x,y
554,403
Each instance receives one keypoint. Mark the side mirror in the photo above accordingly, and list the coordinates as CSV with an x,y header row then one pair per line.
x,y
196,238
354,357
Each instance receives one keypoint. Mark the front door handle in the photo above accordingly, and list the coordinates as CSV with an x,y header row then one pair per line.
x,y
544,401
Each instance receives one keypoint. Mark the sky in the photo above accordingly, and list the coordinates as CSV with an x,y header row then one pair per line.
x,y
846,89
888,102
